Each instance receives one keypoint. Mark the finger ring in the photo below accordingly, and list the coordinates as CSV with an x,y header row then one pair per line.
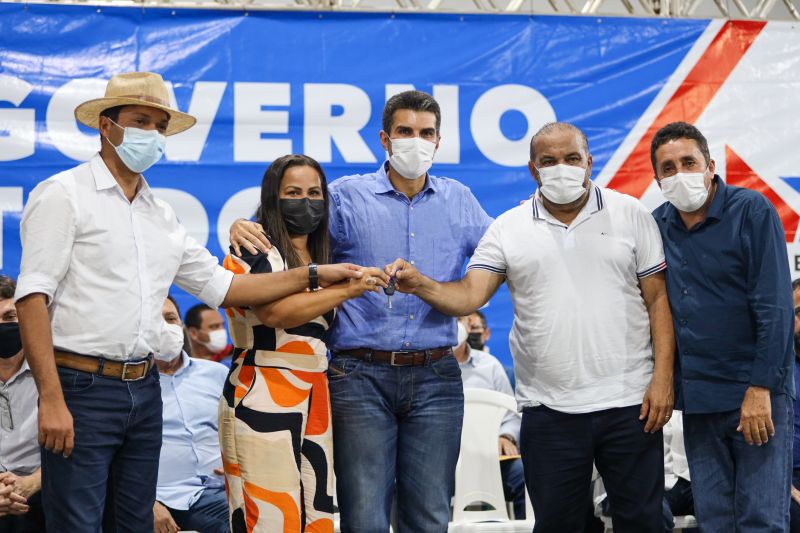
x,y
762,429
370,280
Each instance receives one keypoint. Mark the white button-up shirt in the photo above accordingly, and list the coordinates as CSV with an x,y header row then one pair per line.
x,y
19,447
106,264
190,447
581,332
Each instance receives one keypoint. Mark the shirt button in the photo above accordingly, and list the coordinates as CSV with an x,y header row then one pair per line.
x,y
683,322
411,317
412,262
406,344
412,234
685,291
684,263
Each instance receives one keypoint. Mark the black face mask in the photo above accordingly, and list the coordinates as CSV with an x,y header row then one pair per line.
x,y
10,341
301,216
475,340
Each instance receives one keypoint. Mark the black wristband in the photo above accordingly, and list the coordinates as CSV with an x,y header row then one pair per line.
x,y
313,278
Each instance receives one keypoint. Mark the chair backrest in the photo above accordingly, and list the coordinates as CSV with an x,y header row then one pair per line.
x,y
478,477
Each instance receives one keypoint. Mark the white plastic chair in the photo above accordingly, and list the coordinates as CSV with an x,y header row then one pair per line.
x,y
478,477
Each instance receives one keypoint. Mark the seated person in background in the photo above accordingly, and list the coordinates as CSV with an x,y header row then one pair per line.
x,y
478,332
20,480
191,490
207,334
677,482
481,370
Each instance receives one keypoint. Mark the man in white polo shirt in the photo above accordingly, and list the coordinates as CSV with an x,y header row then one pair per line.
x,y
592,337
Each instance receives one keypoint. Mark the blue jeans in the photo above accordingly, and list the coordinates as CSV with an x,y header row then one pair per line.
x,y
395,427
736,486
514,485
558,450
117,443
208,514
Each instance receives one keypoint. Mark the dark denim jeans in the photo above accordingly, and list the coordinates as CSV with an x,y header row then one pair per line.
x,y
514,485
558,450
736,486
395,427
209,514
117,444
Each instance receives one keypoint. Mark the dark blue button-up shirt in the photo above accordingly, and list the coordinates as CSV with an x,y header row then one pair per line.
x,y
731,299
372,224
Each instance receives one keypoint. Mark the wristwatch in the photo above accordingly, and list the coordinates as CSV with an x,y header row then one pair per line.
x,y
313,277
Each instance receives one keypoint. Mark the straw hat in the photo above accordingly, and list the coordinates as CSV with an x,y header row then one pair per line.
x,y
134,88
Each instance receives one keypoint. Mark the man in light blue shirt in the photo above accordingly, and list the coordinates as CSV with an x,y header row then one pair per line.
x,y
396,394
191,490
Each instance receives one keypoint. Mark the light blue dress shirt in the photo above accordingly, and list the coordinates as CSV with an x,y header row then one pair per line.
x,y
372,224
190,447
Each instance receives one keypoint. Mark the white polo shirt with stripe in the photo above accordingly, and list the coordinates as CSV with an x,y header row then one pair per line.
x,y
581,332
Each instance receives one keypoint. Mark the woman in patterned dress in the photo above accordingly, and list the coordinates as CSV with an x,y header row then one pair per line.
x,y
274,414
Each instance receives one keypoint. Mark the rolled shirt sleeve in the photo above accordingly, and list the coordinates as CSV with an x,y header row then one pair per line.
x,y
201,275
47,233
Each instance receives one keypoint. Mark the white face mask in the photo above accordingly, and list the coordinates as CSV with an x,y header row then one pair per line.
x,y
140,149
217,340
462,335
171,342
411,157
686,191
562,184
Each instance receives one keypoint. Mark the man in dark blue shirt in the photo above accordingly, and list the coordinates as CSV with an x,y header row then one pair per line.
x,y
730,294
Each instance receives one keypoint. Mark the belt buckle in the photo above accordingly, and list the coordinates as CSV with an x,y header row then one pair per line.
x,y
125,366
394,354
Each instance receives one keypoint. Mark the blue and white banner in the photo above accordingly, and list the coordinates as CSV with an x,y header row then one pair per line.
x,y
263,84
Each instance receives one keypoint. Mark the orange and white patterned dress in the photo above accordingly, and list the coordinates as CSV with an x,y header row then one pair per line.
x,y
274,420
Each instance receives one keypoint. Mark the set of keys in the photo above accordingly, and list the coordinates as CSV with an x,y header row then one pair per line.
x,y
389,291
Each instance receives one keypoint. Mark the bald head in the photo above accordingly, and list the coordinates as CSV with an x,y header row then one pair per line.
x,y
552,129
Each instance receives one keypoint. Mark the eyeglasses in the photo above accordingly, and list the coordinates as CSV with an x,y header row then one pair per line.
x,y
6,420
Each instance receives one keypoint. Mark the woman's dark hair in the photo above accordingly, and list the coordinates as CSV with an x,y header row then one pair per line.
x,y
269,214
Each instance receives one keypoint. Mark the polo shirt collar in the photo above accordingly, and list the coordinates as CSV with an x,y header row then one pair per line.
x,y
715,210
383,185
594,204
104,180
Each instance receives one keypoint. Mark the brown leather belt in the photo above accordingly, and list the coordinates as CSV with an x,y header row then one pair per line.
x,y
419,358
124,370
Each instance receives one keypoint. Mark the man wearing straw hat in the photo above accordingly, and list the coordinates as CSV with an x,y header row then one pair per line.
x,y
99,254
